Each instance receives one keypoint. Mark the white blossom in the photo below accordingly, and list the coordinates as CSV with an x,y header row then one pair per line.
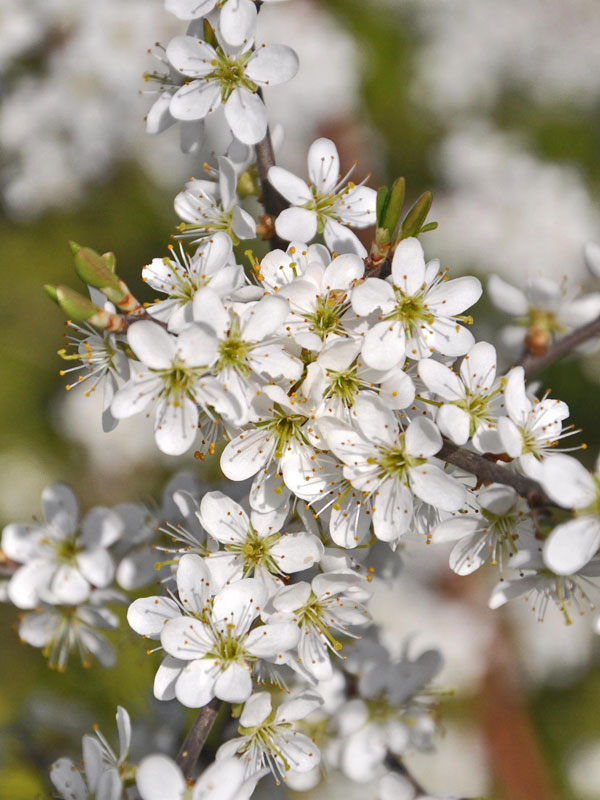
x,y
327,205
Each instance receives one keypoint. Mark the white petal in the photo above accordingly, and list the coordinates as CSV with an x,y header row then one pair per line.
x,y
124,730
422,438
433,486
193,582
243,223
392,510
37,629
510,437
269,641
195,687
110,785
223,518
234,685
506,297
377,423
450,530
185,638
239,604
469,554
224,780
166,678
568,482
60,507
256,710
158,777
296,223
69,586
189,9
264,318
295,552
92,760
246,454
190,56
246,115
441,380
101,527
455,423
197,344
67,780
209,310
571,545
451,339
298,707
384,345
97,566
478,368
237,22
373,293
323,165
195,100
453,297
24,586
175,426
591,254
340,239
294,189
518,405
152,344
272,64
20,541
342,271
136,395
408,266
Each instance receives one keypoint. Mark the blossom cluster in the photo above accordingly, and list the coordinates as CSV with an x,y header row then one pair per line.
x,y
341,384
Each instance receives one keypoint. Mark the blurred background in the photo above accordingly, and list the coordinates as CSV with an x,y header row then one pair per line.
x,y
492,104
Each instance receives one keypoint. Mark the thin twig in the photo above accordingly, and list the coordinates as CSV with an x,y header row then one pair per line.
x,y
561,347
194,741
490,471
395,764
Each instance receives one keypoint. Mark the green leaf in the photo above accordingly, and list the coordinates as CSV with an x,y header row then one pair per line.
x,y
383,199
51,292
93,269
75,305
414,220
394,206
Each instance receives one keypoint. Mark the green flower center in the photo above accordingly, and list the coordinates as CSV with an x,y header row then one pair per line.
x,y
323,205
66,550
411,311
255,552
285,428
326,317
344,385
179,380
230,73
311,615
228,649
233,352
544,321
395,461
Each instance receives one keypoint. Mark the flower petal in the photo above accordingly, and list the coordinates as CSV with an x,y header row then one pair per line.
x,y
571,545
323,165
246,115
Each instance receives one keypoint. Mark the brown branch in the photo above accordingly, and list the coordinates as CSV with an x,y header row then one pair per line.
x,y
490,471
194,741
561,347
396,764
273,202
